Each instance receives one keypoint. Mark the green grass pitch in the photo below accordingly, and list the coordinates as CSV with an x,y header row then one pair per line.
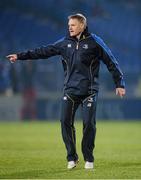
x,y
35,150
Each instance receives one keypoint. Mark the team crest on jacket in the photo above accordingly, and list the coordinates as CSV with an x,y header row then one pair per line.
x,y
85,46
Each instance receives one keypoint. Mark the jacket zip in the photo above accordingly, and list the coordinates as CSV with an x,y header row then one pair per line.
x,y
77,42
77,45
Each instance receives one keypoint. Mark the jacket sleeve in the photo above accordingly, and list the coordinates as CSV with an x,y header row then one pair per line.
x,y
107,57
43,52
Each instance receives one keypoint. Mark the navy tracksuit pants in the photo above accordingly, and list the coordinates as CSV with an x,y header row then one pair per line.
x,y
70,104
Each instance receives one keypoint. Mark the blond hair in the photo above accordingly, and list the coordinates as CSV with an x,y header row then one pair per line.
x,y
80,17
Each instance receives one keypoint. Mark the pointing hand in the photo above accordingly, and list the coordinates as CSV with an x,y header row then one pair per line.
x,y
12,57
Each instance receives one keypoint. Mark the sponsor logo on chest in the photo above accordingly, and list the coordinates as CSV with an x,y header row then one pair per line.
x,y
69,45
85,46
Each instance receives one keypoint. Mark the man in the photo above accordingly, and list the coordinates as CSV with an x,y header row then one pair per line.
x,y
81,54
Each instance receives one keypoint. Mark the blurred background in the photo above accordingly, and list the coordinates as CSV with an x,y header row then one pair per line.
x,y
32,90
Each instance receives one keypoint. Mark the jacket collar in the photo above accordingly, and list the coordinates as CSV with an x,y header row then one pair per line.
x,y
84,34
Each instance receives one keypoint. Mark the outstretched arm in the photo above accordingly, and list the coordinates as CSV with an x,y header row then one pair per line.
x,y
43,52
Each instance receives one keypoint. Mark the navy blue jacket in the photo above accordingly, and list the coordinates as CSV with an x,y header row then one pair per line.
x,y
81,61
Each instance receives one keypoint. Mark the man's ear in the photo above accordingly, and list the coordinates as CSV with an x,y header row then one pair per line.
x,y
82,26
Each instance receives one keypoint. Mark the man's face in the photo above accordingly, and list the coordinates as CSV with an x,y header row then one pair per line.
x,y
75,27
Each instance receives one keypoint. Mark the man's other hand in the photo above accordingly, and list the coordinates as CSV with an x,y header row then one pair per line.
x,y
12,57
120,91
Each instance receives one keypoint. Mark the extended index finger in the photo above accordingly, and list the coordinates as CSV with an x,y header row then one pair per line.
x,y
8,56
